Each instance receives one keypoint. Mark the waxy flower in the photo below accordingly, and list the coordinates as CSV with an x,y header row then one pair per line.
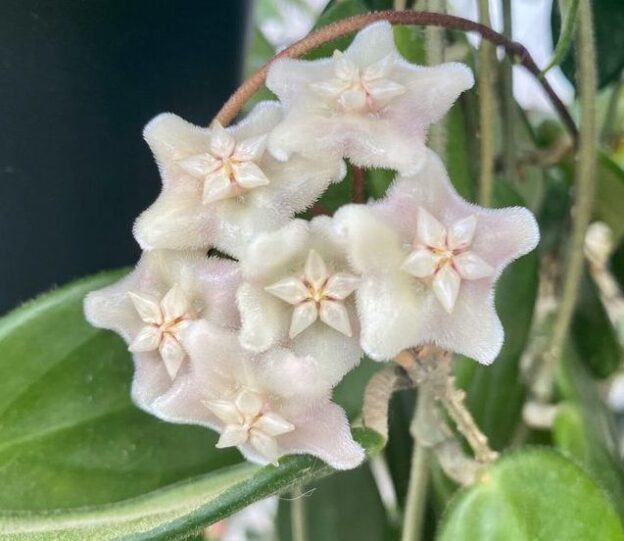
x,y
429,261
267,405
367,104
298,290
221,186
149,308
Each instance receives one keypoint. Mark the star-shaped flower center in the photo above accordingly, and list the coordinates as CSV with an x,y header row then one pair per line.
x,y
248,420
442,256
164,318
356,90
316,293
229,168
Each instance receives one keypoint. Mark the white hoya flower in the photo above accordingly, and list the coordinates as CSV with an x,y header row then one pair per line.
x,y
429,261
220,186
150,307
267,405
367,104
298,290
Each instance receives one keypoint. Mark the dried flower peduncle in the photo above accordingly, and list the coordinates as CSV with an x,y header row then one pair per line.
x,y
423,18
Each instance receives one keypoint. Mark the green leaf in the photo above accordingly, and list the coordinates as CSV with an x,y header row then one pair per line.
x,y
530,495
584,427
343,507
79,461
495,393
610,194
616,264
592,332
608,23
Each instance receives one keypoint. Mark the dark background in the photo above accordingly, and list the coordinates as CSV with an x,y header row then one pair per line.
x,y
78,81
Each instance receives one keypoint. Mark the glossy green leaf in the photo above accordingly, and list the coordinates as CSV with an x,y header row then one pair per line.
x,y
79,461
532,495
495,393
610,194
584,427
592,332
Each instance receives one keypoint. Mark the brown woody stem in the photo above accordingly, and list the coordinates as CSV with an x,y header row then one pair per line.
x,y
423,18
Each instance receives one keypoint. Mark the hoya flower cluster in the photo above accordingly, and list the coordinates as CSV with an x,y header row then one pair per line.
x,y
252,344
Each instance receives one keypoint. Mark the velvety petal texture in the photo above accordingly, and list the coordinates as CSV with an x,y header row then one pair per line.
x,y
298,292
367,104
267,405
429,261
150,308
221,186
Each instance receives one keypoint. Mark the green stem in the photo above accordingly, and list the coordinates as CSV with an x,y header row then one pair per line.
x,y
585,183
435,55
297,516
486,112
509,104
414,513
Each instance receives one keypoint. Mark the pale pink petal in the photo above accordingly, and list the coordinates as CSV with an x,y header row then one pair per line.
x,y
334,314
471,267
446,287
250,149
264,318
218,186
172,354
303,316
372,45
273,424
340,285
175,303
249,175
147,306
221,142
315,270
148,339
290,290
421,263
232,436
461,233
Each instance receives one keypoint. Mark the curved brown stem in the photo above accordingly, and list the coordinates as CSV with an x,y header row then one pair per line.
x,y
422,18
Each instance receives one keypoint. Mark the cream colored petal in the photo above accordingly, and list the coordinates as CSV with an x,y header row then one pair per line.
x,y
249,175
249,403
341,285
353,100
344,68
303,316
446,287
221,142
290,290
430,231
148,339
265,445
471,267
334,314
172,354
175,304
199,165
315,270
224,410
380,69
232,436
329,89
383,91
250,149
147,306
461,233
273,424
421,263
218,186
